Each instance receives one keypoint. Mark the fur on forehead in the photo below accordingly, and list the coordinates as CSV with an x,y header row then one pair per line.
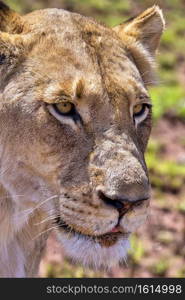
x,y
140,36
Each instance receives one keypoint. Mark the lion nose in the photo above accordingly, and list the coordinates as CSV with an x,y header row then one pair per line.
x,y
122,205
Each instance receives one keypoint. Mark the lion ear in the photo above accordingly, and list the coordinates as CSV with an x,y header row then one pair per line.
x,y
10,21
12,41
141,36
12,49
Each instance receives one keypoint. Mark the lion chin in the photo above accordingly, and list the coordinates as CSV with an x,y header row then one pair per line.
x,y
91,253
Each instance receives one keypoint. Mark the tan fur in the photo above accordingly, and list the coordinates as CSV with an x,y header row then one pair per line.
x,y
51,166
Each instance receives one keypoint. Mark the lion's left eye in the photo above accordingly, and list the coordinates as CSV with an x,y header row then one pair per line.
x,y
140,112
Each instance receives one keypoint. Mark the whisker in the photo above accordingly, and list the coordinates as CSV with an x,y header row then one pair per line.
x,y
43,202
49,229
40,204
125,261
70,230
29,211
47,219
8,196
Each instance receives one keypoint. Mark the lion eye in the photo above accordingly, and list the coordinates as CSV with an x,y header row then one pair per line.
x,y
64,108
65,112
139,109
140,112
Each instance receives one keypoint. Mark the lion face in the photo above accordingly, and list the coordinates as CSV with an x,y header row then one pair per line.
x,y
78,118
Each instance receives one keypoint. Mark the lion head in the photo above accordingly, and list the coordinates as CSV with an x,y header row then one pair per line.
x,y
75,118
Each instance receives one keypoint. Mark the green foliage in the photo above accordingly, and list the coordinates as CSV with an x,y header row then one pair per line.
x,y
137,249
104,6
168,98
165,237
160,267
181,273
181,207
16,5
68,270
163,173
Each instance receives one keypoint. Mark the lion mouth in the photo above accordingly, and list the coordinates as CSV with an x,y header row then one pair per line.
x,y
108,239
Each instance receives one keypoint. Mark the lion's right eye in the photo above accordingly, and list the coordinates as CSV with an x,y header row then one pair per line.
x,y
65,112
64,108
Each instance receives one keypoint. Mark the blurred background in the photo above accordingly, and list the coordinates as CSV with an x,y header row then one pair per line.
x,y
158,248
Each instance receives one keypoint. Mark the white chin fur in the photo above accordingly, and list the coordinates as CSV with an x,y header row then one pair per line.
x,y
86,251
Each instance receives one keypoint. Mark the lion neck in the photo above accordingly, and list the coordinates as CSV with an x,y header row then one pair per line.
x,y
22,238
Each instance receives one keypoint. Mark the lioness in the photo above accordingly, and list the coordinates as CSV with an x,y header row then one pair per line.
x,y
75,118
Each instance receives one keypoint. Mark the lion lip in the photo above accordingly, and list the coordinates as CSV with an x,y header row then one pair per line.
x,y
107,239
115,231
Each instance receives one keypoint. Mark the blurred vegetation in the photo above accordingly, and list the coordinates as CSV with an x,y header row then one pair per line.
x,y
158,249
